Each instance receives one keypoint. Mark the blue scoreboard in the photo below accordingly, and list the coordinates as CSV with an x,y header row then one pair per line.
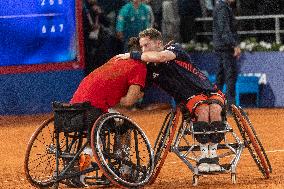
x,y
34,32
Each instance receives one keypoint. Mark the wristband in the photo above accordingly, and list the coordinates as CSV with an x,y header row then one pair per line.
x,y
136,55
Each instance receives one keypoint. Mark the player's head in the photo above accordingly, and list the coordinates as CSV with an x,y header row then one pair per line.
x,y
150,40
133,44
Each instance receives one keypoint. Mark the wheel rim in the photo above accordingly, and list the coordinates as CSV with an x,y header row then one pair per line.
x,y
108,157
164,141
234,178
251,141
40,155
41,165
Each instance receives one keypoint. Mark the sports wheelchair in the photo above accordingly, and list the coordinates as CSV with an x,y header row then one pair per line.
x,y
122,151
185,146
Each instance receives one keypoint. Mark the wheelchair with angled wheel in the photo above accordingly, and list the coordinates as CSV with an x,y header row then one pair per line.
x,y
187,148
122,152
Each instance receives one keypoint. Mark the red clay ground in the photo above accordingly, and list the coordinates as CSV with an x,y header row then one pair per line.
x,y
15,132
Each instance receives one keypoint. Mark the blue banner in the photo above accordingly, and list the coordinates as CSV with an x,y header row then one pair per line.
x,y
37,31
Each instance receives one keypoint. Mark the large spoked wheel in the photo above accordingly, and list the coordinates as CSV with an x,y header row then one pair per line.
x,y
40,160
122,150
164,141
252,141
48,153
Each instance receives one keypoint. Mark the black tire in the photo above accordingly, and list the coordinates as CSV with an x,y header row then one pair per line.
x,y
41,164
163,142
251,141
118,143
40,161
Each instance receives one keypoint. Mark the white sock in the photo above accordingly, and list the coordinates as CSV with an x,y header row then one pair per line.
x,y
213,150
204,150
88,150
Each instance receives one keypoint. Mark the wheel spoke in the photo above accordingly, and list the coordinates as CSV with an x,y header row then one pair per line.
x,y
122,150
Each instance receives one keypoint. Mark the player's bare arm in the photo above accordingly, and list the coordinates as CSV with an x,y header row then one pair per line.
x,y
150,56
158,57
134,93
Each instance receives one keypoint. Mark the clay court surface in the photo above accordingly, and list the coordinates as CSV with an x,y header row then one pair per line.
x,y
15,132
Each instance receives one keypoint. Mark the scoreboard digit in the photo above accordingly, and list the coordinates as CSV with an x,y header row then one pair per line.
x,y
37,32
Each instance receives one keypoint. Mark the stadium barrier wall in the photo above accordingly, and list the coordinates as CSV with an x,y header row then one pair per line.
x,y
268,66
32,93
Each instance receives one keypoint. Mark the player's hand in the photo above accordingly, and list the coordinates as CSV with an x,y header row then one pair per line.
x,y
122,56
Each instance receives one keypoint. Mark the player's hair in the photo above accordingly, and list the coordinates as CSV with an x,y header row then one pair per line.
x,y
133,44
152,33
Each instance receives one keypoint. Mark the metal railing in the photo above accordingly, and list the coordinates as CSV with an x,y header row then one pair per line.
x,y
277,30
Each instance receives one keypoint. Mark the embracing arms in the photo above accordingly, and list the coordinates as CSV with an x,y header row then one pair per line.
x,y
151,56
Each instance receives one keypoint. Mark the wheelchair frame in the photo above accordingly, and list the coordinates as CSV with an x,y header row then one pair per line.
x,y
187,152
51,157
235,149
53,152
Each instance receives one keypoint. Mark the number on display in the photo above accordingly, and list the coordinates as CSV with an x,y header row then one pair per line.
x,y
51,2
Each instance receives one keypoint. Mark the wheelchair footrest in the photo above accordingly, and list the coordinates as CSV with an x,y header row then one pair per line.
x,y
189,132
197,148
97,181
225,168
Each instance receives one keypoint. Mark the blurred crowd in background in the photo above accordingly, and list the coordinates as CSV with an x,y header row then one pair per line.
x,y
108,24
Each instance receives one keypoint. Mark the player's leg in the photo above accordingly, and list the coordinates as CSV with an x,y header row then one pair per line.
x,y
86,157
216,124
201,124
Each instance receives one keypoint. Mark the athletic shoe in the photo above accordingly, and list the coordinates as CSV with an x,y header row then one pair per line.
x,y
214,165
85,158
85,161
203,167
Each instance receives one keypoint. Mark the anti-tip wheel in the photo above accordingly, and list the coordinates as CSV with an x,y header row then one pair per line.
x,y
234,178
195,180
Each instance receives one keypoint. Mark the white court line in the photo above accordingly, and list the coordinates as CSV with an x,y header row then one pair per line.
x,y
32,15
271,151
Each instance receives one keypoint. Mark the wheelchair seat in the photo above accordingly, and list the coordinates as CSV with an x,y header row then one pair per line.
x,y
74,117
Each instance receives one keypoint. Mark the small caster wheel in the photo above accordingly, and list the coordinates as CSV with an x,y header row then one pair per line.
x,y
195,180
234,178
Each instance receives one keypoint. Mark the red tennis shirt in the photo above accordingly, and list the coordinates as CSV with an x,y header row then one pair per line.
x,y
106,85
